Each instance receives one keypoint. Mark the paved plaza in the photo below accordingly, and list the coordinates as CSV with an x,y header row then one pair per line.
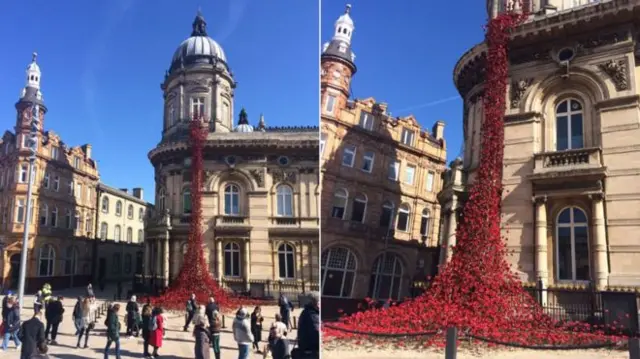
x,y
177,344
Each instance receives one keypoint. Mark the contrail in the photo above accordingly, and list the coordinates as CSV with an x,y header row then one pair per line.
x,y
428,104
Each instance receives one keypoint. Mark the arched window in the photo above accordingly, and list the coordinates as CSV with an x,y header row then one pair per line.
x,y
104,230
286,261
71,261
129,235
46,261
231,259
141,214
119,208
339,203
231,200
105,204
359,208
161,198
403,218
572,245
425,223
284,201
117,232
569,125
338,272
140,239
386,217
386,280
186,201
130,211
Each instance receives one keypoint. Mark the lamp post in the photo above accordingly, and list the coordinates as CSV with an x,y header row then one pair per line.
x,y
32,143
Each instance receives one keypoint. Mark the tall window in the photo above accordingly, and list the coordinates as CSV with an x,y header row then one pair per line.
x,y
76,162
54,152
569,125
425,222
197,106
20,210
76,221
394,170
88,224
284,201
104,230
186,201
22,177
338,268
119,208
44,214
71,261
366,120
45,180
409,174
386,279
348,155
225,112
70,188
78,191
56,183
117,233
339,203
140,239
54,217
572,245
359,208
330,104
403,218
141,214
323,142
129,235
46,261
367,161
407,136
430,176
231,200
67,219
232,259
161,197
286,261
130,211
386,217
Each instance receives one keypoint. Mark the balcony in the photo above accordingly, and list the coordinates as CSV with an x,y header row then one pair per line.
x,y
232,224
577,169
282,225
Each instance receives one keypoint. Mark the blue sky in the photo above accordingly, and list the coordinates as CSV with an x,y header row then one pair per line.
x,y
103,62
405,54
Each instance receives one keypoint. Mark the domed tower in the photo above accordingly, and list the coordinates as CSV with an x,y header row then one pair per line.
x,y
338,67
30,95
200,82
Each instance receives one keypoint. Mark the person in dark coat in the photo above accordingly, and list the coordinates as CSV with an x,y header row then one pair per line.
x,y
256,328
90,293
53,315
5,307
309,326
77,315
192,308
11,324
146,318
32,336
285,310
211,307
203,338
113,331
279,346
132,316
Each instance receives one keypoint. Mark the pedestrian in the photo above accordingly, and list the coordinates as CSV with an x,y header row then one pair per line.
x,y
11,324
37,302
256,328
281,324
32,336
285,310
279,345
77,315
113,331
5,307
132,317
309,328
90,293
53,315
242,333
146,318
202,337
192,307
215,326
156,333
211,307
87,321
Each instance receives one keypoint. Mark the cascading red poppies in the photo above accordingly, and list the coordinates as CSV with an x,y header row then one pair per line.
x,y
476,291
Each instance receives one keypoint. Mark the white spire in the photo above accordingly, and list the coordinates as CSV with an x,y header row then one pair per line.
x,y
33,73
344,27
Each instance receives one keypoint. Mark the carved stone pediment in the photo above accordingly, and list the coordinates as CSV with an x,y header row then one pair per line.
x,y
281,175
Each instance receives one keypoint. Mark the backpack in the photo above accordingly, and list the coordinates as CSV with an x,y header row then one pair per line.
x,y
153,324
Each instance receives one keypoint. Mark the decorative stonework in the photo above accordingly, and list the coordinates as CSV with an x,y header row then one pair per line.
x,y
258,175
603,39
280,175
207,176
617,71
307,170
518,89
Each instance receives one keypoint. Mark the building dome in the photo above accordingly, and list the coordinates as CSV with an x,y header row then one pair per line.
x,y
199,48
243,123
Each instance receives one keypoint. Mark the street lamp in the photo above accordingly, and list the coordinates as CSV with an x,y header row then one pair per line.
x,y
32,143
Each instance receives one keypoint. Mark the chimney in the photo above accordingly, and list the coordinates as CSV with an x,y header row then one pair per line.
x,y
125,190
87,151
137,193
438,130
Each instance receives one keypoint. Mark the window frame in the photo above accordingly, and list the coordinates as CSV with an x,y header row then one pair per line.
x,y
349,150
572,225
370,157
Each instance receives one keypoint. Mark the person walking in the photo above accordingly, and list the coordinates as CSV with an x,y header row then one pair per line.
x,y
256,328
132,317
113,331
87,321
90,293
32,336
77,315
285,310
53,315
5,305
281,324
157,331
309,328
37,302
242,333
146,318
192,308
202,337
215,324
211,307
11,324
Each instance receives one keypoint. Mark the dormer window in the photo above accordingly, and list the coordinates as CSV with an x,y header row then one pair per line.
x,y
197,106
407,137
54,153
366,120
76,162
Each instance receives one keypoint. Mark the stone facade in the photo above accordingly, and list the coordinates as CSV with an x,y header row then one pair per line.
x,y
572,129
380,179
121,215
261,195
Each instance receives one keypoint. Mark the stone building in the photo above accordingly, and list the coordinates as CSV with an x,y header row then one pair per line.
x,y
380,179
572,141
261,194
63,216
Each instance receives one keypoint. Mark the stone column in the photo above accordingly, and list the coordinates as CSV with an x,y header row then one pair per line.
x,y
219,260
541,235
158,257
166,249
600,268
147,258
451,230
245,264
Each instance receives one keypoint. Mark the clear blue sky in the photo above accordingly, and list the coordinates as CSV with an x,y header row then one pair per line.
x,y
405,54
103,62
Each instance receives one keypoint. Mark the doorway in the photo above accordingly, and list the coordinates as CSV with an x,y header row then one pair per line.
x,y
102,269
14,274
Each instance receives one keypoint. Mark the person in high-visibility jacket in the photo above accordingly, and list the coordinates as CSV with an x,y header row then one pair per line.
x,y
46,294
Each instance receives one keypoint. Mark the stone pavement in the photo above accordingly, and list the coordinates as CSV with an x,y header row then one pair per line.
x,y
177,344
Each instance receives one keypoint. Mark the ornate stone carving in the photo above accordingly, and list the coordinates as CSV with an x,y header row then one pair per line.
x,y
280,175
617,71
539,199
207,176
258,175
518,89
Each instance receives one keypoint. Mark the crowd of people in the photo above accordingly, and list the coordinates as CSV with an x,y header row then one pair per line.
x,y
33,337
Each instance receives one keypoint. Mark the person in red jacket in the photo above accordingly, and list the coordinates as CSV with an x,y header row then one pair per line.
x,y
156,330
